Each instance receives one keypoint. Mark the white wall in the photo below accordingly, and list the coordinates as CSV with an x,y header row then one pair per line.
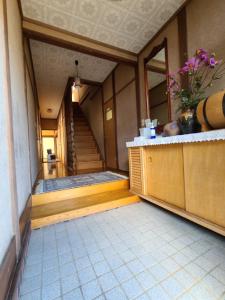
x,y
19,108
34,162
6,227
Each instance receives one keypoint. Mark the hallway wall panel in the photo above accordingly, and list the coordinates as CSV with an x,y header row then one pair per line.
x,y
126,111
20,118
31,106
6,225
126,122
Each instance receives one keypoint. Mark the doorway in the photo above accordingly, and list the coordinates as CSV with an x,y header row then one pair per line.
x,y
48,143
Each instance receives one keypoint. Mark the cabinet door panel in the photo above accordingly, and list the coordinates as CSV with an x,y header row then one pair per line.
x,y
204,168
136,169
165,175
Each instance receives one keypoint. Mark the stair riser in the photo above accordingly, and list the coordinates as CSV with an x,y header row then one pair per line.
x,y
50,197
37,223
87,151
82,133
88,157
82,129
89,165
84,139
80,123
85,144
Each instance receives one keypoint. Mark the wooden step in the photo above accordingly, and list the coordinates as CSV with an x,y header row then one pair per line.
x,y
81,138
88,157
82,129
86,151
80,123
86,171
78,207
80,145
59,195
82,132
82,165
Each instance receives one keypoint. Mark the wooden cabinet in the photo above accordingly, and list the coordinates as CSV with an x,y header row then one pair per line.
x,y
165,174
204,167
187,179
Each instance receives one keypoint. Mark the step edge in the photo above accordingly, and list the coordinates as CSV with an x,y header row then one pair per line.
x,y
99,208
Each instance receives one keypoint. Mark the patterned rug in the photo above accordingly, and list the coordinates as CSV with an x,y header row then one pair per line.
x,y
49,185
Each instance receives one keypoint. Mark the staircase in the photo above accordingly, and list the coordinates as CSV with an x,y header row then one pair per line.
x,y
87,154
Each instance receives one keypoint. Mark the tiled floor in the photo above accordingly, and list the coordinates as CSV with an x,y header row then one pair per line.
x,y
134,252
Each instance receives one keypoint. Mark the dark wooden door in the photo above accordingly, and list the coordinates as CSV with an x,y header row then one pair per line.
x,y
110,135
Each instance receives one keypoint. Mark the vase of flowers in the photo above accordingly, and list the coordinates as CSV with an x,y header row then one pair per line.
x,y
201,70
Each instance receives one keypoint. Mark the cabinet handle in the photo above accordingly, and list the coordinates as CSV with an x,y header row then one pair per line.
x,y
150,158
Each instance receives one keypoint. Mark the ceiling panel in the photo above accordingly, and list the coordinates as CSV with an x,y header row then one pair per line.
x,y
54,65
127,24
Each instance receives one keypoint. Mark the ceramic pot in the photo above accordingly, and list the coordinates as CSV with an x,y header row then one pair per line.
x,y
188,122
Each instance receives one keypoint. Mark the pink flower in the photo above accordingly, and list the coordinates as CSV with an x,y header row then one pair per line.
x,y
202,54
184,70
190,66
213,62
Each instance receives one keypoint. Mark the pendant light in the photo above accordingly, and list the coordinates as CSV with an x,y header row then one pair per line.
x,y
76,85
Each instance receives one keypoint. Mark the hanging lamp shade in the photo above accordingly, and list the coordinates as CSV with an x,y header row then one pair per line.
x,y
76,85
75,94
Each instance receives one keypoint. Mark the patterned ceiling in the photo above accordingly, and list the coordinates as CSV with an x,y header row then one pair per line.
x,y
53,65
127,24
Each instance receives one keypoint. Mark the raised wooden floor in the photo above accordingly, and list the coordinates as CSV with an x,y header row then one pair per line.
x,y
62,205
73,208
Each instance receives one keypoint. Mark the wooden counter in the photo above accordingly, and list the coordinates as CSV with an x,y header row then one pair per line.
x,y
185,178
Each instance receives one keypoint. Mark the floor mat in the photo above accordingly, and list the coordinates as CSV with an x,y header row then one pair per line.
x,y
69,182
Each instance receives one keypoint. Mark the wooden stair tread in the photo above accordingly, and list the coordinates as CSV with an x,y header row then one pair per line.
x,y
92,164
83,138
78,203
86,150
88,157
86,171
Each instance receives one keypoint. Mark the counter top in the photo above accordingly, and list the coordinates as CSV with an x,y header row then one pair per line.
x,y
213,135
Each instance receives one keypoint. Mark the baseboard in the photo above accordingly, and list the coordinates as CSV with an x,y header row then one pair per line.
x,y
7,269
25,216
12,292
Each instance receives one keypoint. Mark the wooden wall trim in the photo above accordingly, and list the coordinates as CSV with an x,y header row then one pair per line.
x,y
138,108
25,216
183,42
62,38
27,113
115,117
154,51
9,132
7,269
20,8
13,292
25,231
103,115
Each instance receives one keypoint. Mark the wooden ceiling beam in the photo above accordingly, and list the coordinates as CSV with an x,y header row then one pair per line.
x,y
59,37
